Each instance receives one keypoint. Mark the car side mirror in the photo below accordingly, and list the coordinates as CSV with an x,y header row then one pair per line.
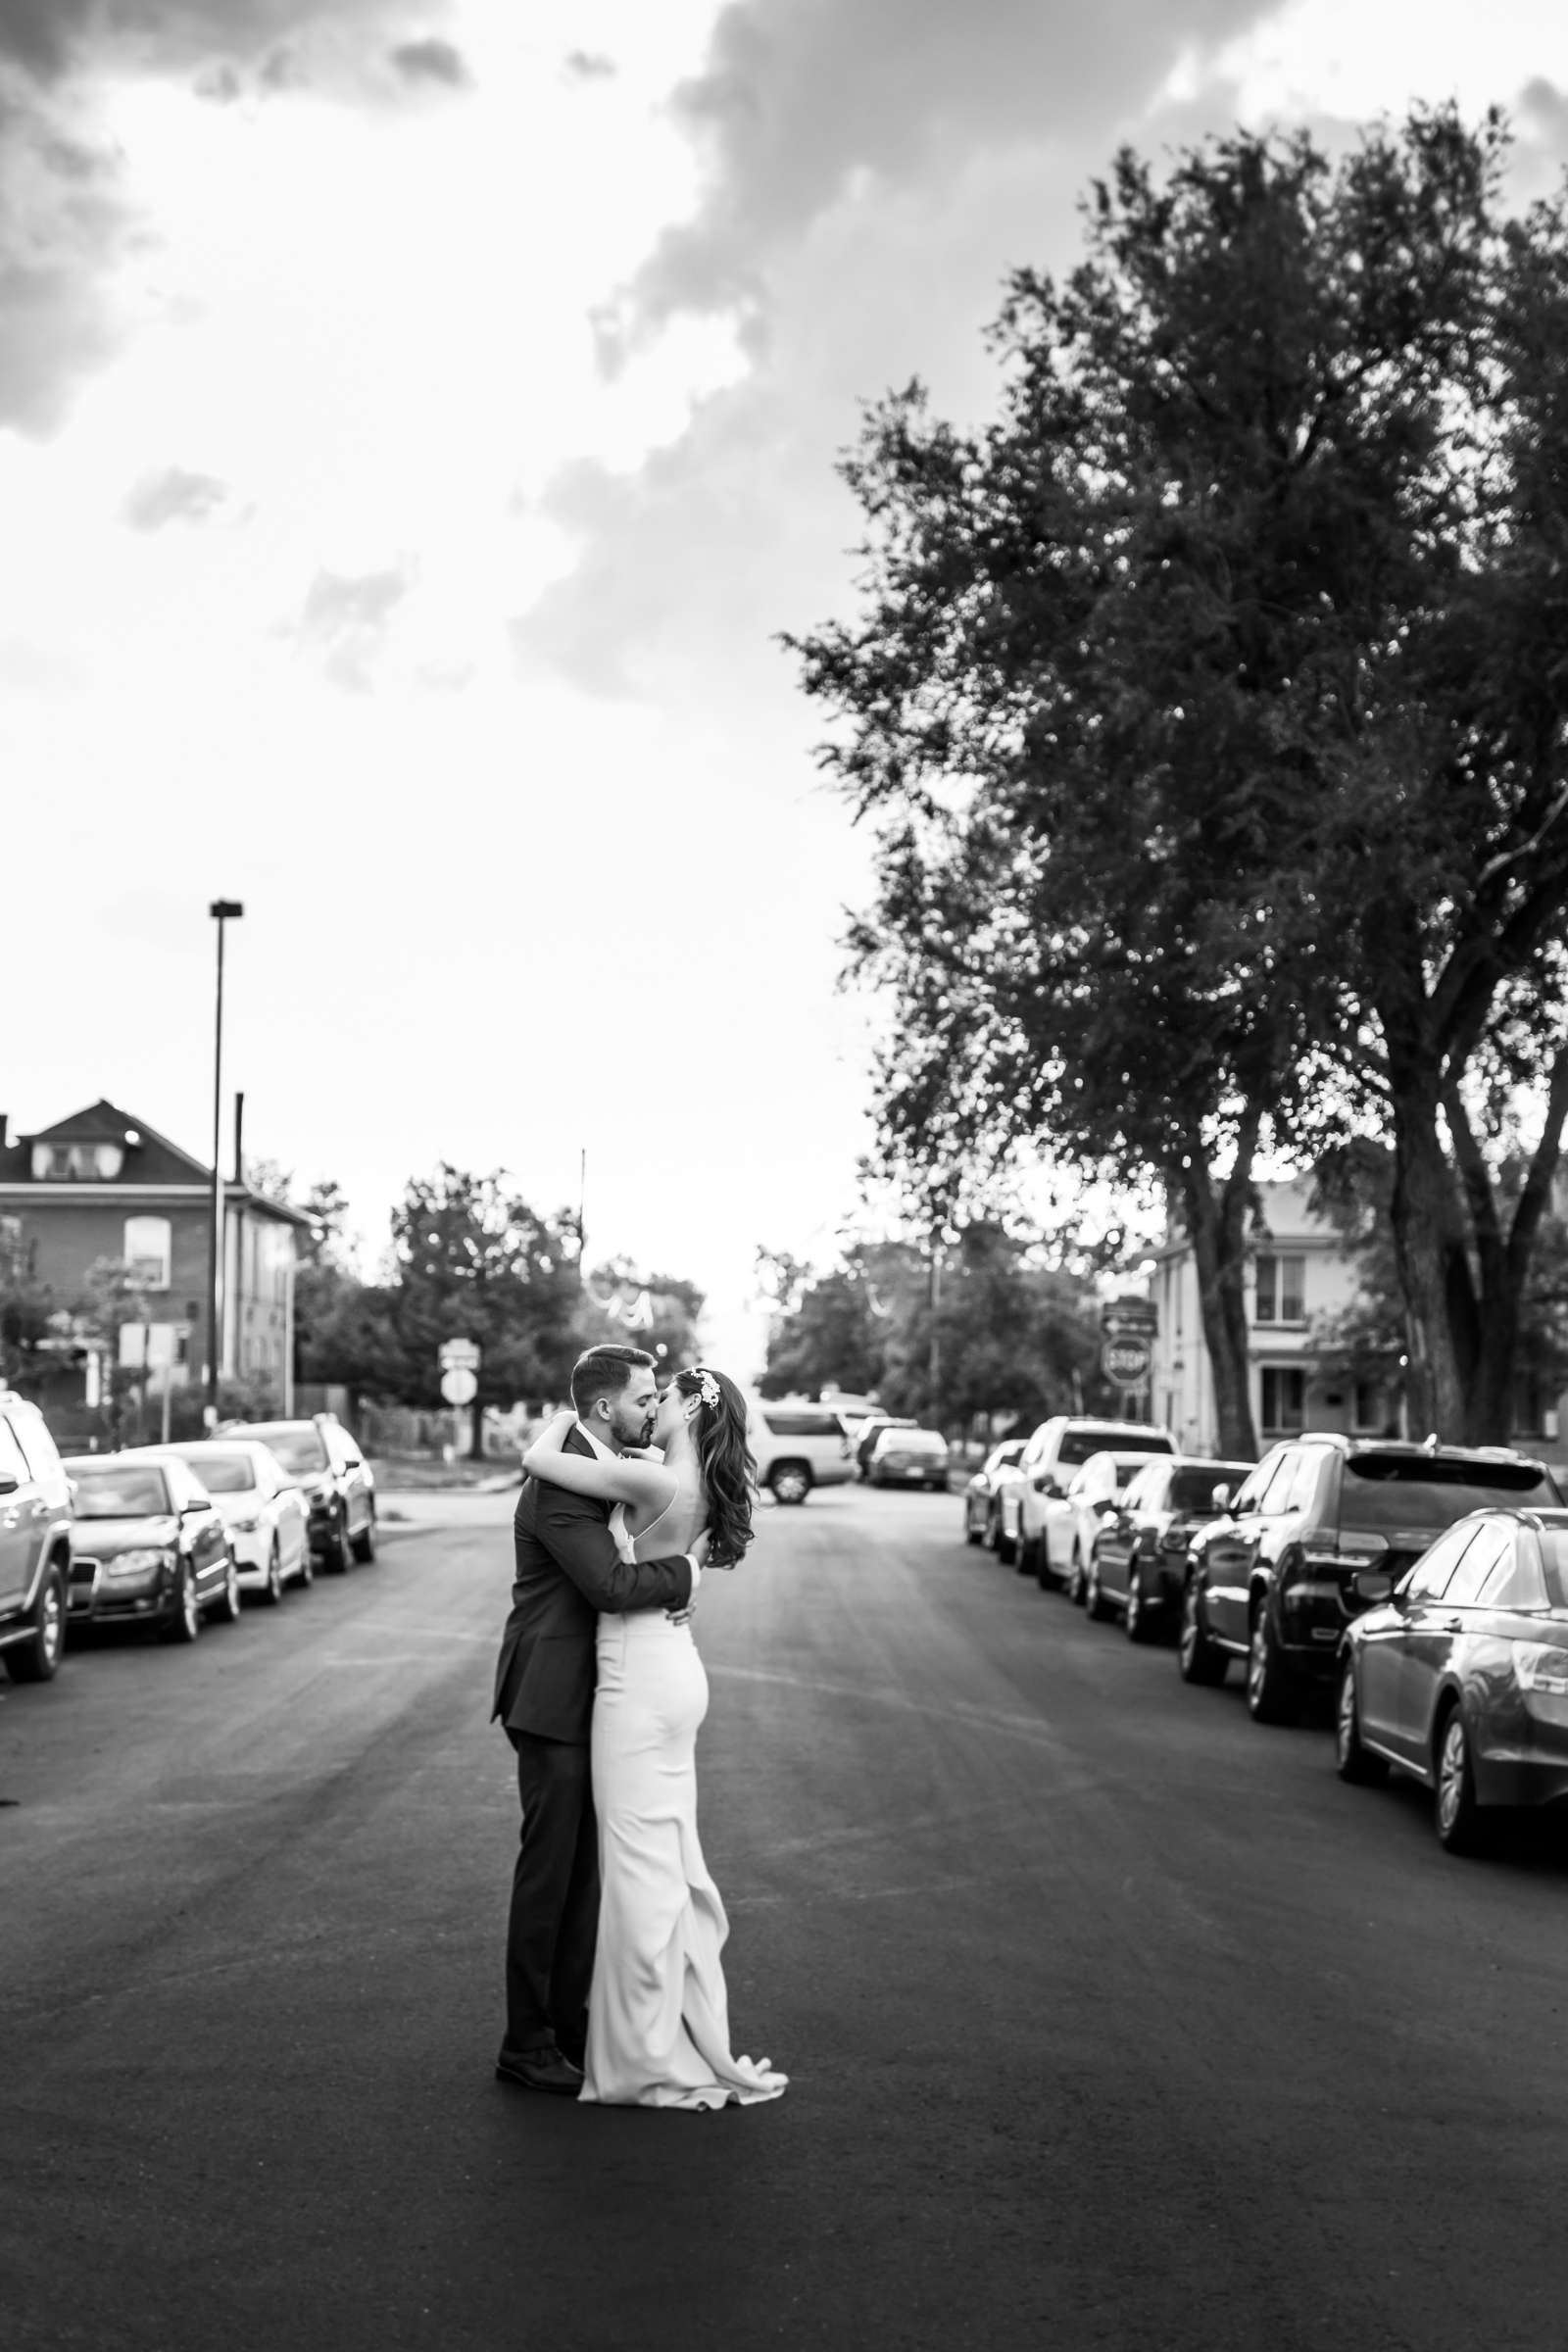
x,y
1372,1585
9,1486
1045,1484
1221,1499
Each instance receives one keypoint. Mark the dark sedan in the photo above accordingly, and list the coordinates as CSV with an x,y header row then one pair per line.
x,y
982,1505
1460,1674
1139,1562
147,1544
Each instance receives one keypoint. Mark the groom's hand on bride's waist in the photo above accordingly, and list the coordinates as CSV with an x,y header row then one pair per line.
x,y
698,1556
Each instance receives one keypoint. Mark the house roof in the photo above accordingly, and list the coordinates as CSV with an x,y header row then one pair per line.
x,y
150,1158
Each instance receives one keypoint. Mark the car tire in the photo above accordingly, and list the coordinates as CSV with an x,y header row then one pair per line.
x,y
1462,1825
971,1532
1138,1621
307,1567
1200,1661
365,1543
992,1529
1075,1579
1096,1605
272,1589
225,1603
1351,1761
184,1626
340,1553
1273,1691
37,1660
1029,1555
792,1484
1005,1546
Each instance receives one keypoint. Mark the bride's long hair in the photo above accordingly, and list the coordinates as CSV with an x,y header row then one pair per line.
x,y
725,1460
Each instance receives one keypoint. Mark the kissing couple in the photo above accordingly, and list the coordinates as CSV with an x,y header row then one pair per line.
x,y
614,1987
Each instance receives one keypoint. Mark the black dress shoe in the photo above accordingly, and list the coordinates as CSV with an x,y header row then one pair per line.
x,y
540,2070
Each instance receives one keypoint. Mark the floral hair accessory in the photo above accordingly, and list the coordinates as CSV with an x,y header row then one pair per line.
x,y
706,1385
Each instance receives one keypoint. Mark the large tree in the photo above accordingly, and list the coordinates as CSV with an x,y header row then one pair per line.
x,y
1209,711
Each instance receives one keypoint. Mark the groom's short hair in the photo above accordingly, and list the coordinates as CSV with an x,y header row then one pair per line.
x,y
604,1372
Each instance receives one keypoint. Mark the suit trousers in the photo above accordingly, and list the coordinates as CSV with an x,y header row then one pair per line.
x,y
553,1919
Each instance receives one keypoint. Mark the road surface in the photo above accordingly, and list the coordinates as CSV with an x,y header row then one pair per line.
x,y
1112,2020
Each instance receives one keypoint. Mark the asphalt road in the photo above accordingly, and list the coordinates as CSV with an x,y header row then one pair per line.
x,y
1112,2020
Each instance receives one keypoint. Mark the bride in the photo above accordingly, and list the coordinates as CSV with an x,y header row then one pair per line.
x,y
659,2014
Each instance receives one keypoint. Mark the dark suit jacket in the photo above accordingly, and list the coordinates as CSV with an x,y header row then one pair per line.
x,y
568,1571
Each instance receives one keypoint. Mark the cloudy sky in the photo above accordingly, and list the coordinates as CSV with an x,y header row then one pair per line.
x,y
416,421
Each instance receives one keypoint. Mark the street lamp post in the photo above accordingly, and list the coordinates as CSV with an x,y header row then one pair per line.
x,y
223,911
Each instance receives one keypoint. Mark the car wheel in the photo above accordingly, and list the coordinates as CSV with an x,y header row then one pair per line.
x,y
1075,1579
1273,1693
1462,1827
272,1589
971,1532
1137,1620
1198,1660
1029,1555
1352,1761
225,1603
992,1529
307,1567
1095,1601
1006,1546
37,1660
791,1485
365,1543
341,1551
185,1623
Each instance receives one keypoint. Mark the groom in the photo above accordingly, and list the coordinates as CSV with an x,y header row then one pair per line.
x,y
569,1570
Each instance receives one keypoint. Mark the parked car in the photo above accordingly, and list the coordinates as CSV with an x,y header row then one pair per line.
x,y
147,1544
1138,1562
799,1445
981,1501
863,1442
1278,1578
1461,1675
336,1481
1070,1527
909,1457
1042,1472
262,1508
35,1544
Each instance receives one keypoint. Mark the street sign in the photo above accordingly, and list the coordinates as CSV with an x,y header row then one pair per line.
x,y
1126,1363
458,1386
1139,1316
460,1355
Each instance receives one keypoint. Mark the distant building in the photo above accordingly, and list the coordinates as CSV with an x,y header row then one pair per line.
x,y
1298,1272
103,1186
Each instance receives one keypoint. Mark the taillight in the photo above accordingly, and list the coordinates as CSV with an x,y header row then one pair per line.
x,y
1542,1667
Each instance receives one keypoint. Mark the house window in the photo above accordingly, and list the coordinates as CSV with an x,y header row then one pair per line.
x,y
149,1246
76,1163
1281,1288
1284,1399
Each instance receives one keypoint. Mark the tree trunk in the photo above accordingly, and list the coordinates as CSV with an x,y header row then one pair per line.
x,y
1434,1267
1505,1260
1216,1227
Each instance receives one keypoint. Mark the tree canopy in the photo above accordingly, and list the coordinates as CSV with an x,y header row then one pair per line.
x,y
1209,709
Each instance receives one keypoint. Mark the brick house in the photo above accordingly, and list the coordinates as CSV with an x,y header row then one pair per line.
x,y
103,1186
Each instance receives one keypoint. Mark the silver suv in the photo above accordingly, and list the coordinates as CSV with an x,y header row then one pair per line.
x,y
35,1543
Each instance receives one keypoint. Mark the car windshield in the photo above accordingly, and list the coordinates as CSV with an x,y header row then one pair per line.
x,y
1077,1445
1193,1489
915,1441
108,1493
296,1448
1385,1492
223,1473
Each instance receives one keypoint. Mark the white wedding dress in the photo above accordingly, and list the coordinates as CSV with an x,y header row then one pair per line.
x,y
657,2013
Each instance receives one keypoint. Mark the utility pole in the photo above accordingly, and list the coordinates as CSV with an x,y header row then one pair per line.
x,y
223,911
